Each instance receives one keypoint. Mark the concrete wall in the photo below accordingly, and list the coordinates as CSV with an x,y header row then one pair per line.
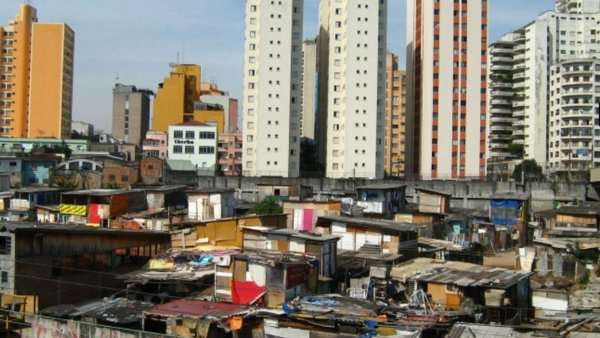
x,y
465,194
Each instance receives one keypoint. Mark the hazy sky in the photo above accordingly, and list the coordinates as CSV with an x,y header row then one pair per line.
x,y
136,39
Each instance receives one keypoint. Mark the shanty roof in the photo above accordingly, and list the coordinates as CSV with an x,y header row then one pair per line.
x,y
121,311
431,191
440,244
197,309
468,330
567,243
37,189
581,210
382,186
99,192
458,273
309,236
161,188
209,190
371,223
68,228
272,258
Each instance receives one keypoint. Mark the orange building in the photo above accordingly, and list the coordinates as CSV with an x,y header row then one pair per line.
x,y
36,77
206,113
174,101
395,117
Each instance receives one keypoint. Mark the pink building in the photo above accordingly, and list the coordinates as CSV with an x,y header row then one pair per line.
x,y
230,154
155,144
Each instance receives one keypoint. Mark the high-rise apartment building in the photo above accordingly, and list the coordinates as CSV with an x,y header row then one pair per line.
x,y
175,97
446,88
272,87
395,117
309,89
542,101
131,113
36,77
356,31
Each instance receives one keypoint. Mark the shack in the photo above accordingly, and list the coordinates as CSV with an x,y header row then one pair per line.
x,y
323,247
571,221
381,200
100,206
267,277
303,215
355,232
504,294
221,232
199,319
509,211
208,203
68,264
282,191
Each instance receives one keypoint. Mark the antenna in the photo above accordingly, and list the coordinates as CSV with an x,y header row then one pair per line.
x,y
183,52
178,58
117,78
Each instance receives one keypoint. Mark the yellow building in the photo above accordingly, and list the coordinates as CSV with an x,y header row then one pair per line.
x,y
207,113
36,77
174,101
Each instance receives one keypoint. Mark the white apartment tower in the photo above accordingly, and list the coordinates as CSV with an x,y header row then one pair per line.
x,y
356,31
542,97
272,87
446,89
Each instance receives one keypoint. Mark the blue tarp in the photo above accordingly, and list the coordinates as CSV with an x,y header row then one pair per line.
x,y
505,212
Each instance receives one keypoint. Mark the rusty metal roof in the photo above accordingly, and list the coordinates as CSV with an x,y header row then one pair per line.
x,y
197,309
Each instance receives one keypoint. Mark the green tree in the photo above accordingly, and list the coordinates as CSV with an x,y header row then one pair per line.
x,y
268,206
531,170
516,150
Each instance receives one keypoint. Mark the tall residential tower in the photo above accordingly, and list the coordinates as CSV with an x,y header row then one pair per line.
x,y
36,77
543,92
356,31
395,117
272,87
446,74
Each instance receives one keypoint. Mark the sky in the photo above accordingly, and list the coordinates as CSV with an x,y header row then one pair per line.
x,y
135,40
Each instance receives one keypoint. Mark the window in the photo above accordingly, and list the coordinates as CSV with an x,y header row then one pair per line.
x,y
178,134
206,150
124,178
189,149
190,134
207,135
4,277
5,245
177,150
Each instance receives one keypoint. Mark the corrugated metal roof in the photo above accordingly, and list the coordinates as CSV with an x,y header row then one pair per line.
x,y
371,222
464,330
197,309
458,273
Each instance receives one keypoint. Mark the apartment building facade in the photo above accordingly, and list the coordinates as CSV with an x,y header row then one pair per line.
x,y
357,35
395,117
36,77
272,87
131,113
446,89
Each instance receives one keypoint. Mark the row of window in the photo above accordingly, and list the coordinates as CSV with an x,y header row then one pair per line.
x,y
191,150
190,135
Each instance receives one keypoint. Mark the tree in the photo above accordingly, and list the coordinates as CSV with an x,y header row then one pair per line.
x,y
268,206
532,171
516,150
